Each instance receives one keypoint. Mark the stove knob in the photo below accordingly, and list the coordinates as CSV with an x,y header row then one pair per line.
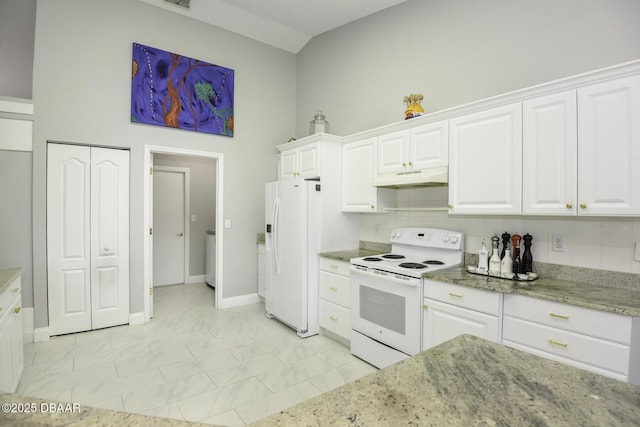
x,y
454,239
445,239
393,235
398,234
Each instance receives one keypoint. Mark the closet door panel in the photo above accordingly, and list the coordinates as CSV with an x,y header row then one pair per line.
x,y
110,237
68,238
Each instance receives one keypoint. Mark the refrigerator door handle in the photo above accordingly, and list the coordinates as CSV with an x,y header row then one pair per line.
x,y
275,231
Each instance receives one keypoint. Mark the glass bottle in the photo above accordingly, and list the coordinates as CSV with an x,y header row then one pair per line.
x,y
494,261
483,259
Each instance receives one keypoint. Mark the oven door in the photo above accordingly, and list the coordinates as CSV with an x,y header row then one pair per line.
x,y
387,308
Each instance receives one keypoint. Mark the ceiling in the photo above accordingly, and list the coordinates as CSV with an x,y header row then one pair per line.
x,y
286,24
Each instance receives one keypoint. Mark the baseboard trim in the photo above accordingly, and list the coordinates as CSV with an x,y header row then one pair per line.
x,y
240,300
41,334
136,318
27,324
196,279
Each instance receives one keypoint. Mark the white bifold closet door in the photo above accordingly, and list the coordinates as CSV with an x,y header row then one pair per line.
x,y
87,237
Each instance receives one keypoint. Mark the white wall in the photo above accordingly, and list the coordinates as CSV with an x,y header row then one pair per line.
x,y
17,20
455,52
461,51
81,93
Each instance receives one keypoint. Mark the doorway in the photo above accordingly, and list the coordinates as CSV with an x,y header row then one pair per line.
x,y
148,256
171,201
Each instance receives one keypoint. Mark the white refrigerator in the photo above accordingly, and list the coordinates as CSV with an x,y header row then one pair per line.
x,y
292,243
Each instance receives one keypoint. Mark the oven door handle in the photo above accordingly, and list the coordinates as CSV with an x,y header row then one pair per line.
x,y
389,277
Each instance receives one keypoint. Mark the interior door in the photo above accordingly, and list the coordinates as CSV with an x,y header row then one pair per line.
x,y
68,238
168,227
87,237
109,237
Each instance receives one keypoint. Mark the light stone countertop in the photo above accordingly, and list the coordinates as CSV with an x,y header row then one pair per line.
x,y
604,296
7,275
468,381
599,297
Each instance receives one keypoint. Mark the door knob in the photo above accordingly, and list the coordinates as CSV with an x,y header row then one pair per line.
x,y
179,234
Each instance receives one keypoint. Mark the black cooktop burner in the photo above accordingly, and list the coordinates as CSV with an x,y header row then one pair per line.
x,y
413,265
372,258
433,262
393,256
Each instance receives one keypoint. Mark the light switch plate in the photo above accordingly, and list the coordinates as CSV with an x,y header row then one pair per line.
x,y
227,223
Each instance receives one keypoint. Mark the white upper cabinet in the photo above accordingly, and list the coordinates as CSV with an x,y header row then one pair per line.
x,y
413,150
609,148
392,152
429,146
301,162
485,162
550,155
359,172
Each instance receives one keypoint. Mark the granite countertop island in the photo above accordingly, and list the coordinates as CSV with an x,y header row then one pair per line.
x,y
469,381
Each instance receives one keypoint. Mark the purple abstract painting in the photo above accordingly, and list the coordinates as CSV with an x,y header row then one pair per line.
x,y
172,90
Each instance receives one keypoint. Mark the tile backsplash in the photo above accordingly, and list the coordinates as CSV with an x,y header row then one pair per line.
x,y
604,243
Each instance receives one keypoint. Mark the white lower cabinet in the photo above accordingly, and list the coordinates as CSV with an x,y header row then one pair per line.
x,y
453,310
594,340
335,300
11,344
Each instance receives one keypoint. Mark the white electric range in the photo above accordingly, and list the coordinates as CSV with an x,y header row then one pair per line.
x,y
387,292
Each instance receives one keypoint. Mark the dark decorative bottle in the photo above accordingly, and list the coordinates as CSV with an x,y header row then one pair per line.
x,y
517,263
506,237
527,258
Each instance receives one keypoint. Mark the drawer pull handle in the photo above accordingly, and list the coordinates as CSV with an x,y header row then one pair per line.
x,y
335,267
559,344
559,316
15,290
425,306
455,295
17,310
333,288
334,318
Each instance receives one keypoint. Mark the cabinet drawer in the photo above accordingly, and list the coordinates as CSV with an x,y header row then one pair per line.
x,y
335,319
335,288
462,296
582,348
599,324
9,295
335,266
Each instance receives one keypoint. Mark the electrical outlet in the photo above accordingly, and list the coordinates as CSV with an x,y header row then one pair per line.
x,y
227,223
557,243
378,228
637,255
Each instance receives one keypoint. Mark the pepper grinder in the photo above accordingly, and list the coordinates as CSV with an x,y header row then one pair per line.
x,y
527,258
505,243
517,264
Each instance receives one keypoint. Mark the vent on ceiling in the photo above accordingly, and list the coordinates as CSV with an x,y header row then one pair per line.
x,y
182,3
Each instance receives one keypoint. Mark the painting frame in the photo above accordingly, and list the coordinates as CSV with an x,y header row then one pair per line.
x,y
176,91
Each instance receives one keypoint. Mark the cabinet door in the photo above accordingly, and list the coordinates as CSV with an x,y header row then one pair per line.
x,y
609,148
308,161
550,155
358,163
392,157
429,146
288,164
485,160
442,322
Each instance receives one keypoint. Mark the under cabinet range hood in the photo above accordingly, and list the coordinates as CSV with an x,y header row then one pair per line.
x,y
432,177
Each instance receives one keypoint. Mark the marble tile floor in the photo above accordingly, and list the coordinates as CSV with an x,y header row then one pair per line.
x,y
191,362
